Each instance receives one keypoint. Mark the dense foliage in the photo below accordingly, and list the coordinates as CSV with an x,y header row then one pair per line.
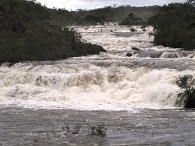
x,y
114,14
27,32
187,96
175,25
131,19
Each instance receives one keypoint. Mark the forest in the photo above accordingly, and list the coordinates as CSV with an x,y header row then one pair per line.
x,y
27,33
174,25
114,14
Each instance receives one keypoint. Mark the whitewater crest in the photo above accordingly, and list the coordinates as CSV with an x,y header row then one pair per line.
x,y
110,80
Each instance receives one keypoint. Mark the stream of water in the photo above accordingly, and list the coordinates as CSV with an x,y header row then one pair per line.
x,y
130,88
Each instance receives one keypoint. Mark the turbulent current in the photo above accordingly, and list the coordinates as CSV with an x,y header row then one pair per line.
x,y
132,84
111,80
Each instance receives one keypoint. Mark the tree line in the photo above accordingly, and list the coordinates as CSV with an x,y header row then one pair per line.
x,y
113,14
174,25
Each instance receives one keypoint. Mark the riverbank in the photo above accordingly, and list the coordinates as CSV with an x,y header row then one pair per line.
x,y
27,34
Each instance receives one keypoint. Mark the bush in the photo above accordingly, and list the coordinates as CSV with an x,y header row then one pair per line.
x,y
132,20
100,129
75,130
187,96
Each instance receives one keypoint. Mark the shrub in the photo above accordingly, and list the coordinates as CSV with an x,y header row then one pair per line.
x,y
100,129
187,96
131,20
75,130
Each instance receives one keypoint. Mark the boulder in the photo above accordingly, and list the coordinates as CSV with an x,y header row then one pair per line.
x,y
190,100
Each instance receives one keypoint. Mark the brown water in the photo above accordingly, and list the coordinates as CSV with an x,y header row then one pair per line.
x,y
41,127
135,97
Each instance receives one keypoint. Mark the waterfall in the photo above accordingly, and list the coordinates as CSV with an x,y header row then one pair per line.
x,y
110,80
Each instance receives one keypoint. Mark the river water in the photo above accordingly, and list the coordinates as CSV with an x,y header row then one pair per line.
x,y
135,96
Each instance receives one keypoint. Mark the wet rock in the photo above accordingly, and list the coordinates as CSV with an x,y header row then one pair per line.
x,y
190,100
191,55
129,54
132,29
134,48
172,54
187,96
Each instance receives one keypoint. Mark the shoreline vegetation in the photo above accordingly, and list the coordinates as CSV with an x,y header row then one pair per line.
x,y
32,32
28,34
174,25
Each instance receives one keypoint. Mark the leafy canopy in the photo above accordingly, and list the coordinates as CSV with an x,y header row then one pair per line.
x,y
175,25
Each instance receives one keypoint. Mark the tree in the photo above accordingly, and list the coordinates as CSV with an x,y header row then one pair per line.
x,y
191,2
174,26
131,19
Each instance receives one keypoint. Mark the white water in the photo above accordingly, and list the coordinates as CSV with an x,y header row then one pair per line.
x,y
110,81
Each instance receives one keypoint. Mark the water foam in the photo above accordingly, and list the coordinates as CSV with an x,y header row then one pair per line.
x,y
88,86
110,81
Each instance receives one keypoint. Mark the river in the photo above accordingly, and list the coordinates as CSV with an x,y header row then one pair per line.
x,y
130,88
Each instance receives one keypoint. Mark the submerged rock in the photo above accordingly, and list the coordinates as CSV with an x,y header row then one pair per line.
x,y
171,55
149,53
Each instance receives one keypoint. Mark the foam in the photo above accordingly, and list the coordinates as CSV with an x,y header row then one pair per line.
x,y
109,81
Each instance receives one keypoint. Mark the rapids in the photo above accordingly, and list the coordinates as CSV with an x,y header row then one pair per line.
x,y
130,88
108,81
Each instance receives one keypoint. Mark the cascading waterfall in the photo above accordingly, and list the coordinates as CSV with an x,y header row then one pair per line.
x,y
110,80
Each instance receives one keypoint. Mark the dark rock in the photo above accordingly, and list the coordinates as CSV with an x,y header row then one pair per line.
x,y
143,27
190,100
133,29
129,54
134,48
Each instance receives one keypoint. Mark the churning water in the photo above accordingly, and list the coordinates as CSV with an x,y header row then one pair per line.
x,y
135,95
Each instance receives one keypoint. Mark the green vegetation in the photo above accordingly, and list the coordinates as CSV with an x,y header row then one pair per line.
x,y
131,19
113,14
175,25
187,96
28,32
62,17
74,131
99,129
88,20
